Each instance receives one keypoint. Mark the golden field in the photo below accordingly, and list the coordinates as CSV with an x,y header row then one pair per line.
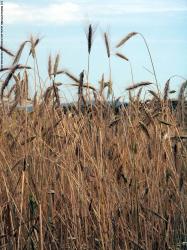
x,y
93,176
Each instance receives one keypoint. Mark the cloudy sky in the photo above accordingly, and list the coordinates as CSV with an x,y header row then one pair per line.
x,y
61,24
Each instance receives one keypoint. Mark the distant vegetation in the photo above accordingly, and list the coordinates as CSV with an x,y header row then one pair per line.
x,y
92,176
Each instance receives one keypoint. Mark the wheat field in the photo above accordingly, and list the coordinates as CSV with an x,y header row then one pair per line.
x,y
91,175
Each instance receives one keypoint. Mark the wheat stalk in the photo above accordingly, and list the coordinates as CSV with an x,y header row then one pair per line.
x,y
8,52
125,39
19,52
166,90
107,44
141,84
7,80
74,78
49,66
56,64
122,56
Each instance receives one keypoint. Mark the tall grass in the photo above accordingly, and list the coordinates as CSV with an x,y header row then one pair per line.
x,y
90,178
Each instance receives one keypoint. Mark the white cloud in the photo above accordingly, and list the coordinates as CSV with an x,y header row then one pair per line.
x,y
61,12
54,13
134,7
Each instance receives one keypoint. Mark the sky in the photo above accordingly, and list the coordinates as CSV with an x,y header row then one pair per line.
x,y
62,24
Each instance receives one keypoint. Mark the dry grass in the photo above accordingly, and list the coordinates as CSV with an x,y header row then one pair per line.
x,y
92,178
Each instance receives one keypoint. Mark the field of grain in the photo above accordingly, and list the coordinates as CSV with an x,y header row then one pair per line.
x,y
93,176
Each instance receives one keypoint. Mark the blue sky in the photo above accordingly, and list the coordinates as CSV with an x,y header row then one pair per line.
x,y
62,24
